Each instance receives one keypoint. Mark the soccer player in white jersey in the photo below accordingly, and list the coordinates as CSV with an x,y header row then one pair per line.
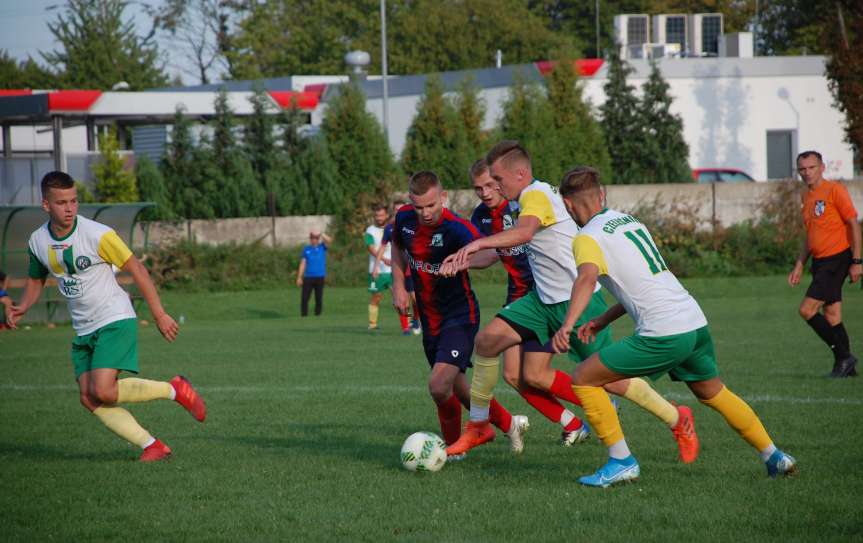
x,y
671,334
80,254
380,272
545,226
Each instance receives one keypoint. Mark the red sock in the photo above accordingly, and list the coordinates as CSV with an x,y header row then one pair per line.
x,y
403,319
574,424
543,402
562,387
449,415
499,416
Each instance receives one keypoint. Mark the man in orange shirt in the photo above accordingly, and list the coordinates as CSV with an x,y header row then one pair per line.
x,y
833,240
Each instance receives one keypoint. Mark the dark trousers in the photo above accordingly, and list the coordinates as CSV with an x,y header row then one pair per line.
x,y
309,284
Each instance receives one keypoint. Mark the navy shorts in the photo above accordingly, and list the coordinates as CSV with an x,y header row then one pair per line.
x,y
454,345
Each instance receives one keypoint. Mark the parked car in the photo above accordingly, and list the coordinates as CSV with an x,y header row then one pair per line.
x,y
721,175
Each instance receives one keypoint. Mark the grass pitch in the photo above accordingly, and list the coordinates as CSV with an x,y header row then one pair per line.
x,y
306,418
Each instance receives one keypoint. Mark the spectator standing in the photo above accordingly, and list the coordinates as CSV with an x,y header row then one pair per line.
x,y
313,271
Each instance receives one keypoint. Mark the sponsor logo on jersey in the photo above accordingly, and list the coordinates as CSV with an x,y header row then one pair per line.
x,y
820,206
70,287
407,230
486,221
82,263
514,251
436,240
427,267
507,222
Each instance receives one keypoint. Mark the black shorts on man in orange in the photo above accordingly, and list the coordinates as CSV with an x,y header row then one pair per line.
x,y
833,239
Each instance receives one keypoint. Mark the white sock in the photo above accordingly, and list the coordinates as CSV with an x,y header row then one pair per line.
x,y
566,417
619,450
767,452
173,393
152,440
478,413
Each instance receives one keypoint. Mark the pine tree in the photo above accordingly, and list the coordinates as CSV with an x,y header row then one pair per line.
x,y
665,153
436,139
621,123
471,109
151,186
239,194
114,181
579,133
188,186
259,139
99,48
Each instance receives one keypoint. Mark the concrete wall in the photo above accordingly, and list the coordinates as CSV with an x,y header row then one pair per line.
x,y
289,231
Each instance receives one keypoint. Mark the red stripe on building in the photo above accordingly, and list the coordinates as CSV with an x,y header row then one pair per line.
x,y
303,100
15,92
585,67
72,100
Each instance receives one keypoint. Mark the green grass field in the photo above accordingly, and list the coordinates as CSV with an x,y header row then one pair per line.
x,y
307,416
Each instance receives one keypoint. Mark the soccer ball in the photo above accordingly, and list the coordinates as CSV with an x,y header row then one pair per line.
x,y
423,451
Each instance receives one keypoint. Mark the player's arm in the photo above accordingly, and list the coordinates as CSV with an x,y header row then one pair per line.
x,y
401,300
32,291
325,239
854,228
521,233
301,271
582,292
802,257
379,257
587,331
483,259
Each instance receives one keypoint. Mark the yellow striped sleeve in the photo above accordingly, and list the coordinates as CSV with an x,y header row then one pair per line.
x,y
586,250
536,204
113,250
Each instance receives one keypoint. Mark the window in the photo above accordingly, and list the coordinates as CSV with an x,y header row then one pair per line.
x,y
706,177
675,30
733,176
636,30
711,28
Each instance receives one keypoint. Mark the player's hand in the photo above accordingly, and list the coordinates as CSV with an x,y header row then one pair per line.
x,y
461,259
855,271
13,315
401,300
560,341
387,262
587,332
376,273
167,326
447,269
796,273
299,281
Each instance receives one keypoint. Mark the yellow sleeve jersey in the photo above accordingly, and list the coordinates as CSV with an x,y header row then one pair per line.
x,y
82,263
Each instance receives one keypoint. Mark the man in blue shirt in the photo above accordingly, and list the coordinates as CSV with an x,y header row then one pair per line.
x,y
313,269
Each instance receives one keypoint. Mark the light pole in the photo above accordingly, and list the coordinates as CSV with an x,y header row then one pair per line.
x,y
384,69
597,29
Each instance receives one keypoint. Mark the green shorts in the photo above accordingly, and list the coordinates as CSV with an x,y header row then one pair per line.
x,y
382,283
685,357
114,346
545,320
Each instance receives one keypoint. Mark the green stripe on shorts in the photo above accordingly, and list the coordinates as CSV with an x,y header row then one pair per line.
x,y
685,357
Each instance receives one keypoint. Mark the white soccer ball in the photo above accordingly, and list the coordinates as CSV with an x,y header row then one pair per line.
x,y
423,451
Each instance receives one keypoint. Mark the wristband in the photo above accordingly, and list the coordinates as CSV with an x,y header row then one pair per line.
x,y
857,261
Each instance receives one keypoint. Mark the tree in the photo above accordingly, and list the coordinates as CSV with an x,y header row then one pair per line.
x,y
27,74
114,181
363,159
621,123
270,165
845,67
436,139
98,48
580,136
188,186
238,192
151,186
666,153
471,110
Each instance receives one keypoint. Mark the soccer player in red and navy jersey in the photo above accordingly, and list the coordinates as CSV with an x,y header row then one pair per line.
x,y
496,214
424,234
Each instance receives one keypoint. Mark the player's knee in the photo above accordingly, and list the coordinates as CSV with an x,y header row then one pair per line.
x,y
533,377
439,392
90,403
105,394
485,344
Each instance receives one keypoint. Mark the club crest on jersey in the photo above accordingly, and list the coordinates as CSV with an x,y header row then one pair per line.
x,y
436,240
820,205
82,263
507,222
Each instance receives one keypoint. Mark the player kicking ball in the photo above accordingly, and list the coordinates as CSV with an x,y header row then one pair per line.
x,y
671,334
80,253
424,234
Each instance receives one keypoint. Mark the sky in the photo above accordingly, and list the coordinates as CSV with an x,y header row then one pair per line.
x,y
24,29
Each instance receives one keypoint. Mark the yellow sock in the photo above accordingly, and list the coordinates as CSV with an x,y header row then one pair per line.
x,y
741,417
134,390
122,423
600,413
373,315
643,395
485,374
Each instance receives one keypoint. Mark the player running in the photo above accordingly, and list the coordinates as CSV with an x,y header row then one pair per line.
x,y
380,273
492,215
80,253
671,334
545,226
424,234
409,325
